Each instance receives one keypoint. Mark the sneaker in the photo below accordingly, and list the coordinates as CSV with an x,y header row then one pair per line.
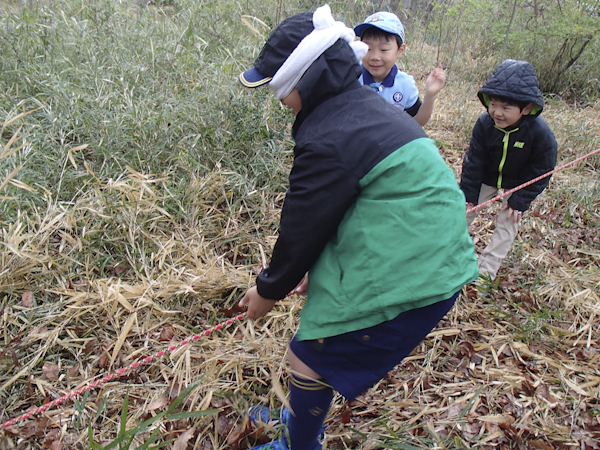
x,y
279,444
261,414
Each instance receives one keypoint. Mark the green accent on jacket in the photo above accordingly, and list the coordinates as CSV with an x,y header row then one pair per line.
x,y
505,141
404,244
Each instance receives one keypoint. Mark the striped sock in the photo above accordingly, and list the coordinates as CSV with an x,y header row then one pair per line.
x,y
310,401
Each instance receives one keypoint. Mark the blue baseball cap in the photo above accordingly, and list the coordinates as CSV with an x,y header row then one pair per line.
x,y
383,20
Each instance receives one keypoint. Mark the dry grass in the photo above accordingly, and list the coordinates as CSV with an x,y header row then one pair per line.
x,y
512,367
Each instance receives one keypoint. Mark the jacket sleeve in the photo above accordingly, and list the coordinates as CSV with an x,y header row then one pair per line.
x,y
543,160
474,163
320,192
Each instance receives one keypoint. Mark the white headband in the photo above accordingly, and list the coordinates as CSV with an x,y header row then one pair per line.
x,y
326,33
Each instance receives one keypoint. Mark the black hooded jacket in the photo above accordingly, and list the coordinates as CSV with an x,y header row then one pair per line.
x,y
507,158
334,105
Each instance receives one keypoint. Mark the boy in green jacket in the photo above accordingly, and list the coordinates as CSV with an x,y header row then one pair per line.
x,y
364,186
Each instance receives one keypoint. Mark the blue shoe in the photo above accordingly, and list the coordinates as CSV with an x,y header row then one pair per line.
x,y
279,444
261,414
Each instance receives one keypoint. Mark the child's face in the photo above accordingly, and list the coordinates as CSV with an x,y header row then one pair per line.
x,y
293,102
381,57
506,115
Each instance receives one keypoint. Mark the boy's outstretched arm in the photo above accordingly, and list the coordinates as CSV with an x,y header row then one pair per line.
x,y
434,84
258,306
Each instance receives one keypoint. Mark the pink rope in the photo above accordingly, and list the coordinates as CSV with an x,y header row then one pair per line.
x,y
504,194
116,374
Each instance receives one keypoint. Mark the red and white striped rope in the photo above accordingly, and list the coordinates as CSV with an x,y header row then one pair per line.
x,y
504,194
116,374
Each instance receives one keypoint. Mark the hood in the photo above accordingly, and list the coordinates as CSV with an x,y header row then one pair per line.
x,y
334,72
515,80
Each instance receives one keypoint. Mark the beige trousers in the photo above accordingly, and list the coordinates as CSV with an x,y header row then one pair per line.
x,y
506,230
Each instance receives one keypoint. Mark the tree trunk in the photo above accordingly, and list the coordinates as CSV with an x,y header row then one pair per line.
x,y
512,16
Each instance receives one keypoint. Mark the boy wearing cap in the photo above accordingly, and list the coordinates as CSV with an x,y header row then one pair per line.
x,y
384,34
357,219
510,145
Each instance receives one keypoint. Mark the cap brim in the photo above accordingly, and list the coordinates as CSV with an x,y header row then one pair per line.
x,y
358,29
252,78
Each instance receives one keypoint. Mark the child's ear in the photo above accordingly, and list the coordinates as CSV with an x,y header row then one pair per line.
x,y
527,110
401,50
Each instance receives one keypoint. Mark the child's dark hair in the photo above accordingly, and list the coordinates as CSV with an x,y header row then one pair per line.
x,y
509,101
378,33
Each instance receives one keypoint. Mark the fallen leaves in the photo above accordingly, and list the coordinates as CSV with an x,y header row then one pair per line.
x,y
50,371
56,445
231,312
182,441
27,299
531,343
167,333
158,403
73,372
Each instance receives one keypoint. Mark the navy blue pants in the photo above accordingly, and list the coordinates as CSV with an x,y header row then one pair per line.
x,y
353,362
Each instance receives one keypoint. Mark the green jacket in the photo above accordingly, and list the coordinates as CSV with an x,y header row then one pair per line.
x,y
402,245
372,212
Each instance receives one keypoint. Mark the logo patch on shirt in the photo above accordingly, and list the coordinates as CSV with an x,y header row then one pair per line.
x,y
397,96
519,144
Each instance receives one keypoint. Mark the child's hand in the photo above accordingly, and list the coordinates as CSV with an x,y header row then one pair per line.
x,y
302,287
517,215
258,306
435,81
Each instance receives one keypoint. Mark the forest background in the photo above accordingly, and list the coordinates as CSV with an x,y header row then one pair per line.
x,y
140,191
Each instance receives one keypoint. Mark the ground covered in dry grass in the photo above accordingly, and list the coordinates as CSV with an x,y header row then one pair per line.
x,y
514,365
